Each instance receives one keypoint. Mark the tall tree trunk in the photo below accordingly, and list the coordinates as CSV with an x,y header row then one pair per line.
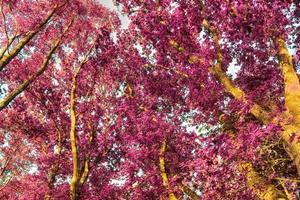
x,y
163,174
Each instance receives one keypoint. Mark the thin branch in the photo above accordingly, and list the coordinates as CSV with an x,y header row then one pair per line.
x,y
75,175
22,43
19,89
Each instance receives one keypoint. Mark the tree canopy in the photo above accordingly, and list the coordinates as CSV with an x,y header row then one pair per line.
x,y
194,100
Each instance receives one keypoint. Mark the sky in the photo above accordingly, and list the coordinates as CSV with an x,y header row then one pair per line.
x,y
109,4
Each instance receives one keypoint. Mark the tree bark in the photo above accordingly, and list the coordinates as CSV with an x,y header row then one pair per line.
x,y
6,58
163,174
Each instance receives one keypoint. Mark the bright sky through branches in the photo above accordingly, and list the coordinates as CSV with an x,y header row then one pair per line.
x,y
109,4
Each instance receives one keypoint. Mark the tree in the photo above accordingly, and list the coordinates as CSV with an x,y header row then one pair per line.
x,y
154,111
200,40
41,87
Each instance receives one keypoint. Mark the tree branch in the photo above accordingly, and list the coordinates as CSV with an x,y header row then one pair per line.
x,y
261,189
5,59
75,176
12,95
163,173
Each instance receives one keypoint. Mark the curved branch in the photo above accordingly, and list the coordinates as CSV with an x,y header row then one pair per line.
x,y
292,94
8,98
75,176
260,113
5,59
12,95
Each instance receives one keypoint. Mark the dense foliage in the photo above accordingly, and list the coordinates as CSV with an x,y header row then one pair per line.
x,y
194,100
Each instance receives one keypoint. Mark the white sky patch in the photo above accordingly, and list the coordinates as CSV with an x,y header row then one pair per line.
x,y
114,37
139,48
233,69
189,128
57,63
3,88
140,173
201,36
119,182
172,7
124,18
55,82
33,169
6,141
